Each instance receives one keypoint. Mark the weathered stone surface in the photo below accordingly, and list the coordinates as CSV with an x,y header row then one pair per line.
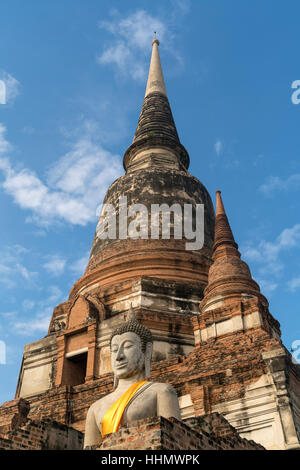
x,y
147,187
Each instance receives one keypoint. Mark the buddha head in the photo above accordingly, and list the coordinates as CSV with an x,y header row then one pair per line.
x,y
131,349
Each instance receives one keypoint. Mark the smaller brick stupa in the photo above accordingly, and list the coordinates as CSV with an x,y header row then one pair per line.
x,y
230,284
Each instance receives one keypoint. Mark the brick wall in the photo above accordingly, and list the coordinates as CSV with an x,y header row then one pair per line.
x,y
170,434
42,435
211,432
5,444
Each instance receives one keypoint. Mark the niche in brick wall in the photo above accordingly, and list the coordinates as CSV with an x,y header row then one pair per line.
x,y
75,368
76,362
75,358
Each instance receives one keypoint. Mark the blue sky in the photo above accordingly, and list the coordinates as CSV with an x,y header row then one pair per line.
x,y
75,74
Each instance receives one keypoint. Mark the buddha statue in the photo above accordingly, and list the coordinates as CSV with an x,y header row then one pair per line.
x,y
134,396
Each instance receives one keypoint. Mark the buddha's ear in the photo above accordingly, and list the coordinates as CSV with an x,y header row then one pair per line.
x,y
148,356
116,381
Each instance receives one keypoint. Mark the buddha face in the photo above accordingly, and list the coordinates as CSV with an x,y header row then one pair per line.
x,y
127,357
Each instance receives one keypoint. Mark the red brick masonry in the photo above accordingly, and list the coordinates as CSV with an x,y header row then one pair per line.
x,y
211,432
42,435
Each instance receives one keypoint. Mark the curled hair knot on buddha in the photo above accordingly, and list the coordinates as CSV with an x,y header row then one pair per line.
x,y
134,326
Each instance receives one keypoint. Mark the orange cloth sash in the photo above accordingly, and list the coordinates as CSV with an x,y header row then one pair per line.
x,y
112,418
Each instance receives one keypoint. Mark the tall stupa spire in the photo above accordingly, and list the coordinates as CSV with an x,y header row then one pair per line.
x,y
155,78
156,131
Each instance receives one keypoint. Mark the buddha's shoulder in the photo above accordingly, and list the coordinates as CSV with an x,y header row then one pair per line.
x,y
161,387
99,404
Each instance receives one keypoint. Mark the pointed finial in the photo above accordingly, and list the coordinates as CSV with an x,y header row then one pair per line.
x,y
155,40
219,203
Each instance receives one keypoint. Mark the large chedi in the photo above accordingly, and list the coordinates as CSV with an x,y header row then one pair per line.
x,y
159,277
214,339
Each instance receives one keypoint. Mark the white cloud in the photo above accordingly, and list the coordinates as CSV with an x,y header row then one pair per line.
x,y
55,295
267,286
75,186
117,54
129,52
5,146
275,183
28,304
2,92
228,152
183,5
136,29
294,284
12,86
251,253
39,323
267,254
218,147
12,268
290,236
29,130
24,272
266,251
258,159
55,265
78,267
8,315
